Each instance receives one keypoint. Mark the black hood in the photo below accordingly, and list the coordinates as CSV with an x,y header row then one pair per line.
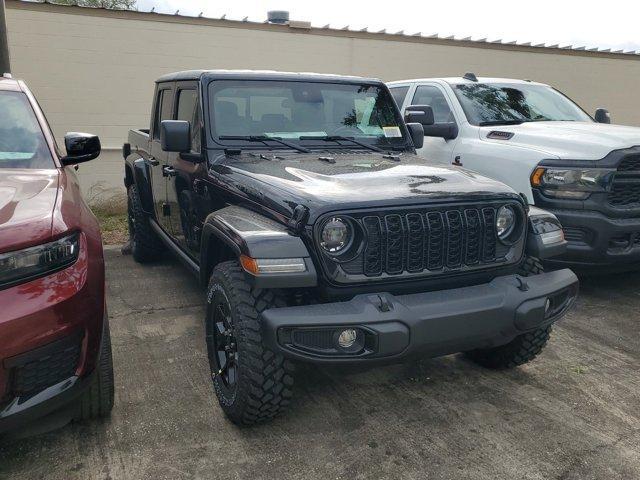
x,y
355,180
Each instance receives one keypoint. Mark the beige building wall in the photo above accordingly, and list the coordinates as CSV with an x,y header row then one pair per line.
x,y
94,70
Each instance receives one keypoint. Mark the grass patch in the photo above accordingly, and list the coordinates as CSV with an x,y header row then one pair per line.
x,y
113,224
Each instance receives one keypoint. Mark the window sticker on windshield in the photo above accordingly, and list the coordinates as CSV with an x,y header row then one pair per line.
x,y
295,135
16,155
392,132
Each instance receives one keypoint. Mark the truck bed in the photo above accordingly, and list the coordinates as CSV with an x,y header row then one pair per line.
x,y
139,139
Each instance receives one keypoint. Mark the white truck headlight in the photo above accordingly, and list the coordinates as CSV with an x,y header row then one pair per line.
x,y
27,264
572,183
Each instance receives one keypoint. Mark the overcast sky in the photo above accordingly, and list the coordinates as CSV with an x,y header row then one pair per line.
x,y
611,24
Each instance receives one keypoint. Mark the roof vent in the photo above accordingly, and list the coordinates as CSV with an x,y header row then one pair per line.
x,y
280,17
470,76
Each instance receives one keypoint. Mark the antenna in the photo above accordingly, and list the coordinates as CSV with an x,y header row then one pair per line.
x,y
470,76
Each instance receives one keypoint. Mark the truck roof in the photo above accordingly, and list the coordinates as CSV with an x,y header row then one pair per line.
x,y
7,83
263,75
462,80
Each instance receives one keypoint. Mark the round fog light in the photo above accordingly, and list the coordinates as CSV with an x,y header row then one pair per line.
x,y
347,338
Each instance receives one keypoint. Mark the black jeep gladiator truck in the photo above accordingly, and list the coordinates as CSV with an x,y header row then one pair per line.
x,y
299,202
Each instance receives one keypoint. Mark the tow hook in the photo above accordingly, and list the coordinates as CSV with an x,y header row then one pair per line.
x,y
522,285
381,303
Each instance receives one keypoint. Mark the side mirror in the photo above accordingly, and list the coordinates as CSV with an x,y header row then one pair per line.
x,y
175,136
448,131
602,116
419,114
416,130
81,147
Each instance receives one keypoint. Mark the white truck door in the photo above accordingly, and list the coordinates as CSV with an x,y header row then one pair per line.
x,y
435,149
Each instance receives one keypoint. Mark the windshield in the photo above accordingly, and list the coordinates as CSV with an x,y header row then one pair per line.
x,y
291,110
22,144
501,103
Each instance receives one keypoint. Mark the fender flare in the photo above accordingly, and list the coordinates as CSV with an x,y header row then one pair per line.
x,y
137,173
545,238
246,232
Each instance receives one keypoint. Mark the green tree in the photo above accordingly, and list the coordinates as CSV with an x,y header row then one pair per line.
x,y
112,4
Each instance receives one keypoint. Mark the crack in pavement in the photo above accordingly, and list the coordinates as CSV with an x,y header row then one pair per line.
x,y
132,310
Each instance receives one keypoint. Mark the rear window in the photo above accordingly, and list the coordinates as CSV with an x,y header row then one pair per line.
x,y
22,144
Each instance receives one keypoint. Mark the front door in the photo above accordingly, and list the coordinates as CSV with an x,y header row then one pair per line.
x,y
436,149
159,158
181,197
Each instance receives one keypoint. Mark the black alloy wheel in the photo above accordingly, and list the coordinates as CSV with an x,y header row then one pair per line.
x,y
222,344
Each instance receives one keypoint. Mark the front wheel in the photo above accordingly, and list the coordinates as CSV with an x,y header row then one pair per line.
x,y
97,400
252,383
523,348
518,351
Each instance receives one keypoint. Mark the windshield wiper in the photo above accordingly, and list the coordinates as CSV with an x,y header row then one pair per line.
x,y
501,122
264,139
339,138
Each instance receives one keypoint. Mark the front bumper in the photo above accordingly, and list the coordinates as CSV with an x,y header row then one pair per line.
x,y
50,333
429,324
595,240
25,410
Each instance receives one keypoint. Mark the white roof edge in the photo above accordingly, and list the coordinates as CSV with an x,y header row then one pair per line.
x,y
460,79
401,33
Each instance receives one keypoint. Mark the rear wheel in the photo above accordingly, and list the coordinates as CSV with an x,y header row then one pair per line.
x,y
97,400
145,244
523,348
252,383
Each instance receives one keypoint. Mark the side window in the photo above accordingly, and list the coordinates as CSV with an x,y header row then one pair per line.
x,y
398,94
163,111
188,110
432,96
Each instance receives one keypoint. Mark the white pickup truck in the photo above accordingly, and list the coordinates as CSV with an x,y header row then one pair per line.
x,y
536,140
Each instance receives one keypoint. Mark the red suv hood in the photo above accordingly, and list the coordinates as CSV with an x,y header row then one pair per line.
x,y
27,201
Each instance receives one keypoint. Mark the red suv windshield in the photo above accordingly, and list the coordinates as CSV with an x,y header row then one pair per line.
x,y
22,144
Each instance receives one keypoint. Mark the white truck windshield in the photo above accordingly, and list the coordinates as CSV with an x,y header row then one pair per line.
x,y
504,104
22,144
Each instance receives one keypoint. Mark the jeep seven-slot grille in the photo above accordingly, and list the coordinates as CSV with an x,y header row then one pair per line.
x,y
417,241
625,191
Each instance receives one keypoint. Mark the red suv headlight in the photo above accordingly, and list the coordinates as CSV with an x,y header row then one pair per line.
x,y
23,265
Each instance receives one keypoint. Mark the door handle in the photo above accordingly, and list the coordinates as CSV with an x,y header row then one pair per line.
x,y
153,162
168,171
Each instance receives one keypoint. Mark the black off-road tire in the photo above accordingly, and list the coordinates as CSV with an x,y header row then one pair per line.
x,y
518,351
145,245
97,400
264,379
531,266
523,348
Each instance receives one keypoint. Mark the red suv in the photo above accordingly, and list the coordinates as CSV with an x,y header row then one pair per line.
x,y
55,350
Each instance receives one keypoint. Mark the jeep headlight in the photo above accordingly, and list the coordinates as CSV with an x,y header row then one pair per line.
x,y
572,183
23,265
505,221
335,235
